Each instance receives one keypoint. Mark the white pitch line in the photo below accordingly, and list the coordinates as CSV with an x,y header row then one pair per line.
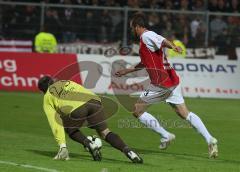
x,y
28,166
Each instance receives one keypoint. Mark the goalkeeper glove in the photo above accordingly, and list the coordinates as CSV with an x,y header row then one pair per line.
x,y
62,154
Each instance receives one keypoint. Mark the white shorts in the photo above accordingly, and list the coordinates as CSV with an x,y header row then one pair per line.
x,y
155,94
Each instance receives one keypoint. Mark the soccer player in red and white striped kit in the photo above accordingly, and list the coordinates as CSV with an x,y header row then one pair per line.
x,y
165,84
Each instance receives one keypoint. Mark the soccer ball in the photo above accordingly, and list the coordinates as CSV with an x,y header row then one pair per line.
x,y
95,140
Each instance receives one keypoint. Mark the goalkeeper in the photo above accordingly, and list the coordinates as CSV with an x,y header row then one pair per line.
x,y
67,106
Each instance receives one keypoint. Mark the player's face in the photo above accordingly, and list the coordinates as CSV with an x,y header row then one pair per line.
x,y
134,30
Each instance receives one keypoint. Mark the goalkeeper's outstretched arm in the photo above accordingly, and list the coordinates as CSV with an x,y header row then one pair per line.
x,y
56,125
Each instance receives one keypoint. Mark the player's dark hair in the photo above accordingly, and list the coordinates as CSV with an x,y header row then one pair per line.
x,y
139,19
44,83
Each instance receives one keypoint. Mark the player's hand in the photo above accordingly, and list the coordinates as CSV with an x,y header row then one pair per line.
x,y
62,154
178,49
121,73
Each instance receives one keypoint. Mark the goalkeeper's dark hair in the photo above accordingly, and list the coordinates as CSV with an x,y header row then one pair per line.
x,y
139,19
44,83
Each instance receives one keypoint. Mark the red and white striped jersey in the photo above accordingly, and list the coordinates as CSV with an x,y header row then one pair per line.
x,y
155,61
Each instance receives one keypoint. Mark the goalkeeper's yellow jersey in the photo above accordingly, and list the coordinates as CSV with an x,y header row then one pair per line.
x,y
62,98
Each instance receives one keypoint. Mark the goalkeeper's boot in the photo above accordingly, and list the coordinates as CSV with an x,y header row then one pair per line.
x,y
213,148
95,151
133,156
165,142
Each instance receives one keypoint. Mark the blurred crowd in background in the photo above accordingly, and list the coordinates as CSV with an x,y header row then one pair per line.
x,y
106,26
196,5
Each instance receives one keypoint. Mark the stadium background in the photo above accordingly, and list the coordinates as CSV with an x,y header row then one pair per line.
x,y
197,23
97,31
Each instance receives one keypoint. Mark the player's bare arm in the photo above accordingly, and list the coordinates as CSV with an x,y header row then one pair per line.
x,y
122,72
170,45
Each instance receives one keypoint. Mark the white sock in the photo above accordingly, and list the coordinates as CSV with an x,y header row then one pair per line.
x,y
151,122
197,123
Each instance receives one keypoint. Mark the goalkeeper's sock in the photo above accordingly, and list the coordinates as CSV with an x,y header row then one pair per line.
x,y
79,137
197,123
151,122
115,141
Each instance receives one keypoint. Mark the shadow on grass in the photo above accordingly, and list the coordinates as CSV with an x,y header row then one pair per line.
x,y
51,154
187,156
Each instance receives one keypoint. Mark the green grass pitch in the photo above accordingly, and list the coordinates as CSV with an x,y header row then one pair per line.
x,y
26,139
